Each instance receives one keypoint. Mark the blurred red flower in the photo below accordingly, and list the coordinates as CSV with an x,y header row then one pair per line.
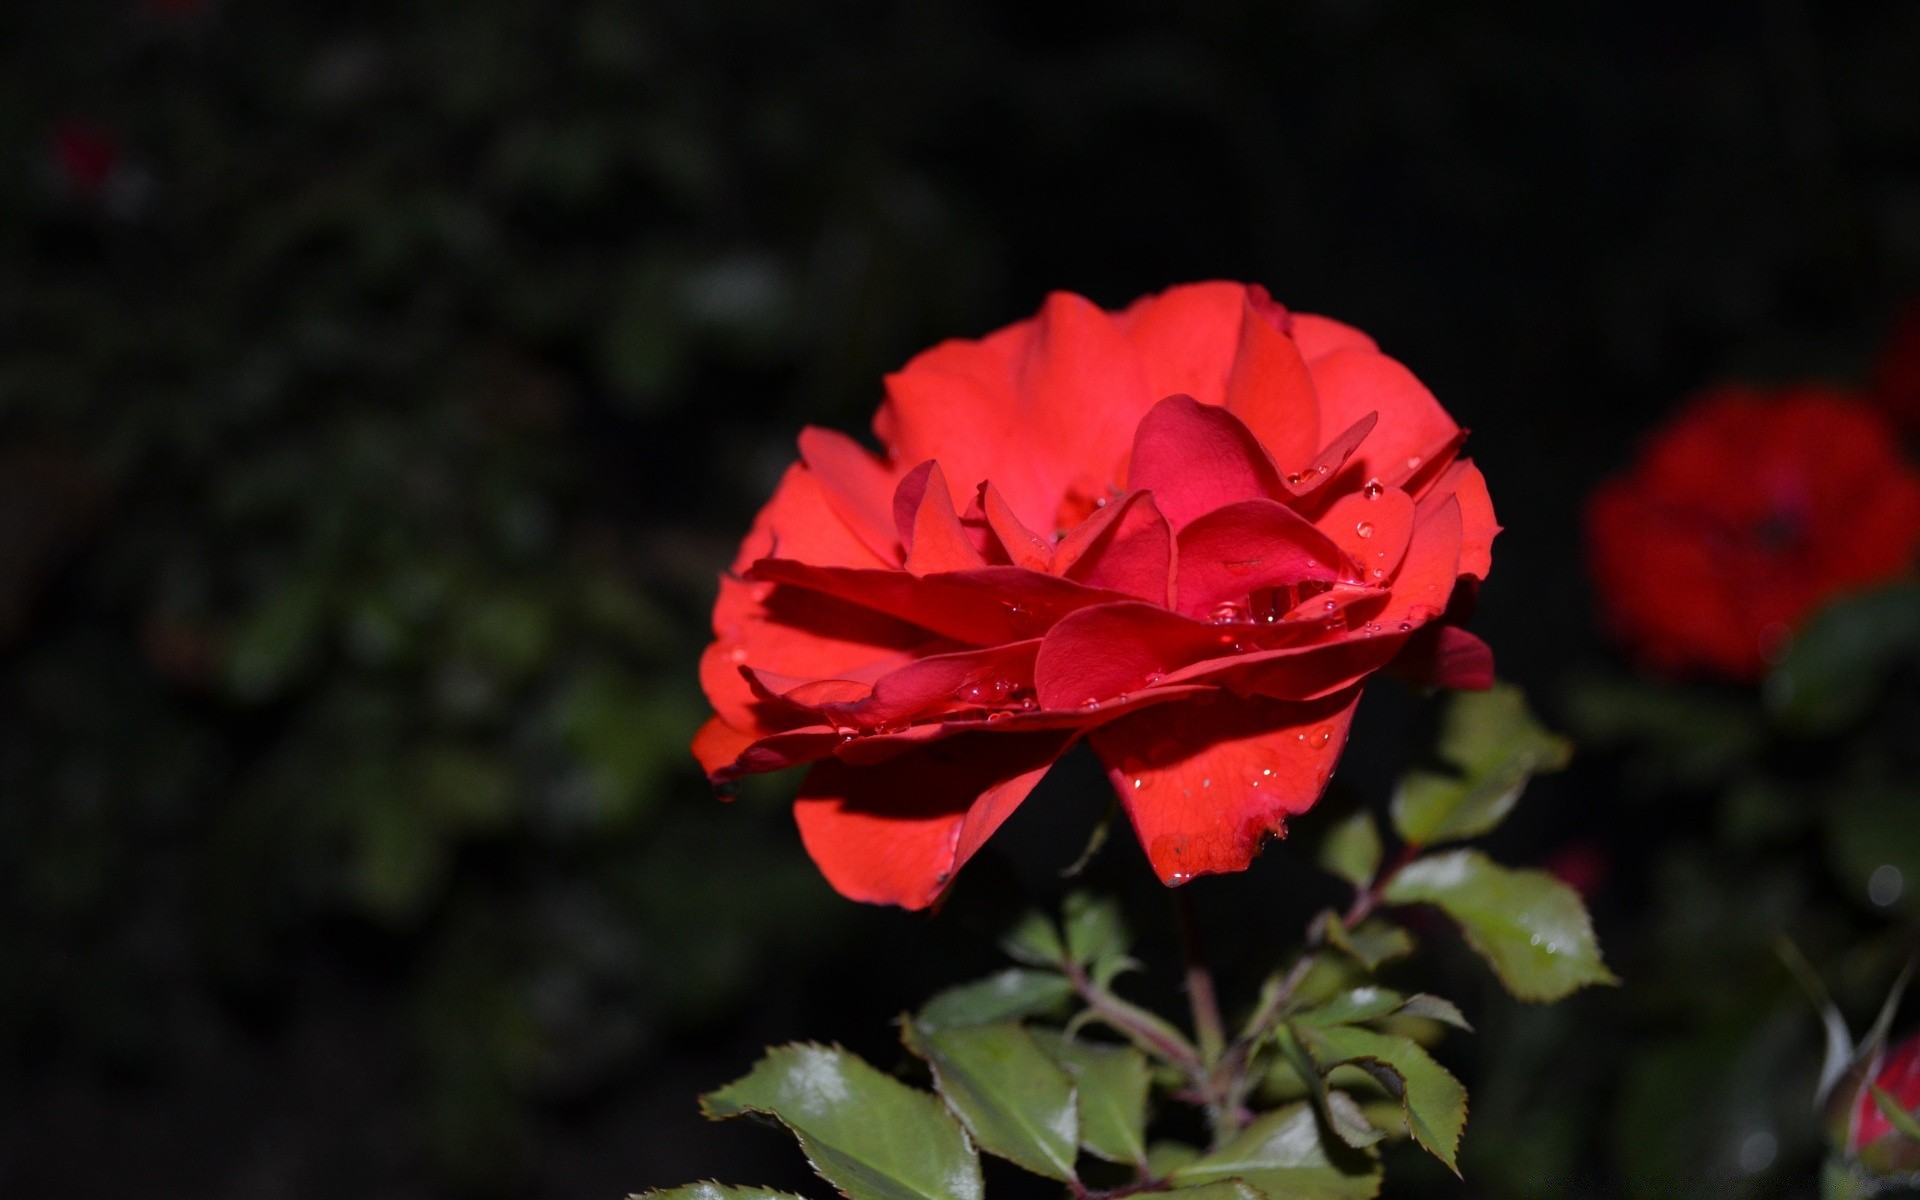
x,y
1899,1077
1744,514
1582,865
1896,376
1186,532
86,153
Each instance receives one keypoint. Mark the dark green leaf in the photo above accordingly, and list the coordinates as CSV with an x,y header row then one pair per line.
x,y
1113,1082
1338,1110
1283,1154
1014,992
1372,943
1015,1100
866,1133
1494,745
1352,1006
1839,660
1095,931
1433,1008
1528,925
1352,849
1435,1103
1231,1189
1035,940
1163,1158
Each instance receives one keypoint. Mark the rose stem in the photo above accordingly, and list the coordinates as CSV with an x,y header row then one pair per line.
x,y
1207,1026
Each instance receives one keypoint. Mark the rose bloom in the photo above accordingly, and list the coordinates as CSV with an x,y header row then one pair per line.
x,y
1744,514
1186,532
1872,1135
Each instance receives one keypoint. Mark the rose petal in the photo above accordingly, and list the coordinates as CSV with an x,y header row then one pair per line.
x,y
1352,383
1271,391
1082,392
1023,547
1373,530
1231,552
970,678
1319,336
1445,656
797,633
858,485
1326,465
895,832
1186,338
1206,781
1125,547
1463,481
718,744
929,527
1104,651
981,607
1195,458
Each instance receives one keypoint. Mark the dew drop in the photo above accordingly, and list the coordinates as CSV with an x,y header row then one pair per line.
x,y
1227,614
1322,469
1091,702
737,654
996,716
1293,480
1413,462
1206,783
1154,677
1320,738
1136,783
1376,573
1266,771
1372,490
1364,529
1029,703
1405,626
1331,606
1099,501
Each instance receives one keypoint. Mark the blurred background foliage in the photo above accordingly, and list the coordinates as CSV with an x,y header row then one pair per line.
x,y
381,385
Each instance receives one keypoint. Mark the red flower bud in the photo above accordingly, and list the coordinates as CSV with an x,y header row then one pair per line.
x,y
1870,1134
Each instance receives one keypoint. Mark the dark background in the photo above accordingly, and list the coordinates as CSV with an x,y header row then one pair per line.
x,y
382,384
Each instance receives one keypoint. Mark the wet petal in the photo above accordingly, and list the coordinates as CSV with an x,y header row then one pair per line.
x,y
1108,650
1373,528
1207,780
981,607
1352,383
965,679
1230,552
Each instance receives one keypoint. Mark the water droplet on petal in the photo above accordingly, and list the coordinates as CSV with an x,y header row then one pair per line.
x,y
1413,462
1320,737
1227,614
1364,529
737,654
1154,677
1405,626
1091,702
1293,480
1372,490
1136,784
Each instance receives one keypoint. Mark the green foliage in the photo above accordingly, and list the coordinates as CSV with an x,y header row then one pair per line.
x,y
1435,1102
1903,1121
1112,1083
1530,927
866,1133
1014,992
1283,1154
713,1191
1839,661
1011,1095
1352,849
1494,746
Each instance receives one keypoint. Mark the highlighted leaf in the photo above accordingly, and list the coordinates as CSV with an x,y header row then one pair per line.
x,y
1113,1082
1435,1103
1282,1154
866,1133
1015,1100
1096,933
1530,927
1494,745
1012,993
1372,943
714,1191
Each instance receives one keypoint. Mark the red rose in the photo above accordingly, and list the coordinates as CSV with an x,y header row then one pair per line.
x,y
1899,1077
1186,532
1746,513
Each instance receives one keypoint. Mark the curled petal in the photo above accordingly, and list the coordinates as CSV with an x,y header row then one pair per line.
x,y
981,607
1125,547
930,529
1195,458
1206,781
1022,546
1231,552
1352,383
1115,649
857,485
1445,656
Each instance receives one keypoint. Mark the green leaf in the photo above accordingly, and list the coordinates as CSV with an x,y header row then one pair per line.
x,y
1231,1189
1283,1154
1494,745
1898,1117
1015,1100
714,1191
1373,943
1839,661
1035,940
1530,927
1433,1008
1096,932
866,1133
1337,1109
1163,1158
1113,1082
1014,992
1435,1102
1352,849
1352,1006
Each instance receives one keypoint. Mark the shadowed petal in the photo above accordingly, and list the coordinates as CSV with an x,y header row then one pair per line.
x,y
1125,547
1111,649
981,607
929,527
1230,552
895,832
857,484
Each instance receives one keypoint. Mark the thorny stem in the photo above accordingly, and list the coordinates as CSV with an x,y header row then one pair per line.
x,y
1208,1029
